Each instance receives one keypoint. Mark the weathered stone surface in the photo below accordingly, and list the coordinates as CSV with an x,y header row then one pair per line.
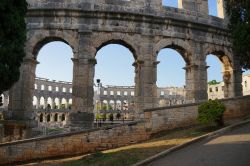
x,y
144,27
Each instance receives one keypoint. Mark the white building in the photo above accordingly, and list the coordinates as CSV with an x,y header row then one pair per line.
x,y
216,91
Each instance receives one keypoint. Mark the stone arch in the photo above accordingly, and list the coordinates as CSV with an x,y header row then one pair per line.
x,y
41,38
57,103
112,104
225,55
42,102
181,46
35,101
49,103
64,103
232,72
120,39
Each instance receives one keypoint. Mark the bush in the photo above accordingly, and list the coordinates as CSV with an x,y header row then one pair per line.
x,y
211,112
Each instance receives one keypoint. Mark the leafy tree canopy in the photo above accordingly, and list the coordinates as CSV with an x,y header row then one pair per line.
x,y
213,82
239,12
12,41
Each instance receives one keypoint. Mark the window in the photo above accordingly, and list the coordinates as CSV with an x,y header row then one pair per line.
x,y
162,93
112,93
35,85
42,87
125,93
216,89
57,89
50,88
210,90
246,84
132,93
118,93
105,92
64,89
70,90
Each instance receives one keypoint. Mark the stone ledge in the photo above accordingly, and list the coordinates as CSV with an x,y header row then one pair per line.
x,y
70,133
192,104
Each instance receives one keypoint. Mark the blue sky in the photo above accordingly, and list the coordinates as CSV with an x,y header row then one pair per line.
x,y
114,64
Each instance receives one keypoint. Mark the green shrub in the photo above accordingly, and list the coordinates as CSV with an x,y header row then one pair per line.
x,y
211,112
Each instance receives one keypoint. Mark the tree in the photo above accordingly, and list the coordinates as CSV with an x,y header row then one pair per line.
x,y
12,41
213,82
239,12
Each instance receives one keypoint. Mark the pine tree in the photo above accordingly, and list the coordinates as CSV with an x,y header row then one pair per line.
x,y
12,41
239,12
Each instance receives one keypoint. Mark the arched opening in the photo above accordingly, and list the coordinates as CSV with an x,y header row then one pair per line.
x,y
49,103
57,103
105,105
118,105
41,118
171,76
218,74
70,103
56,117
216,8
115,68
42,103
63,117
52,54
112,104
48,118
246,82
35,102
64,104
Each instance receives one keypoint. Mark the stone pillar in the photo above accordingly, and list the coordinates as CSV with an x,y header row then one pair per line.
x,y
5,101
52,117
196,83
45,103
52,103
145,85
21,96
38,103
122,105
180,4
82,107
232,83
221,8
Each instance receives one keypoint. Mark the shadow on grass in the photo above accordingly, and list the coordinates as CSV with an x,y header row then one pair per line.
x,y
121,158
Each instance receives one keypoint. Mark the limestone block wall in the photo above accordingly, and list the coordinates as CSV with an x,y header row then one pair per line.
x,y
73,143
88,141
158,119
